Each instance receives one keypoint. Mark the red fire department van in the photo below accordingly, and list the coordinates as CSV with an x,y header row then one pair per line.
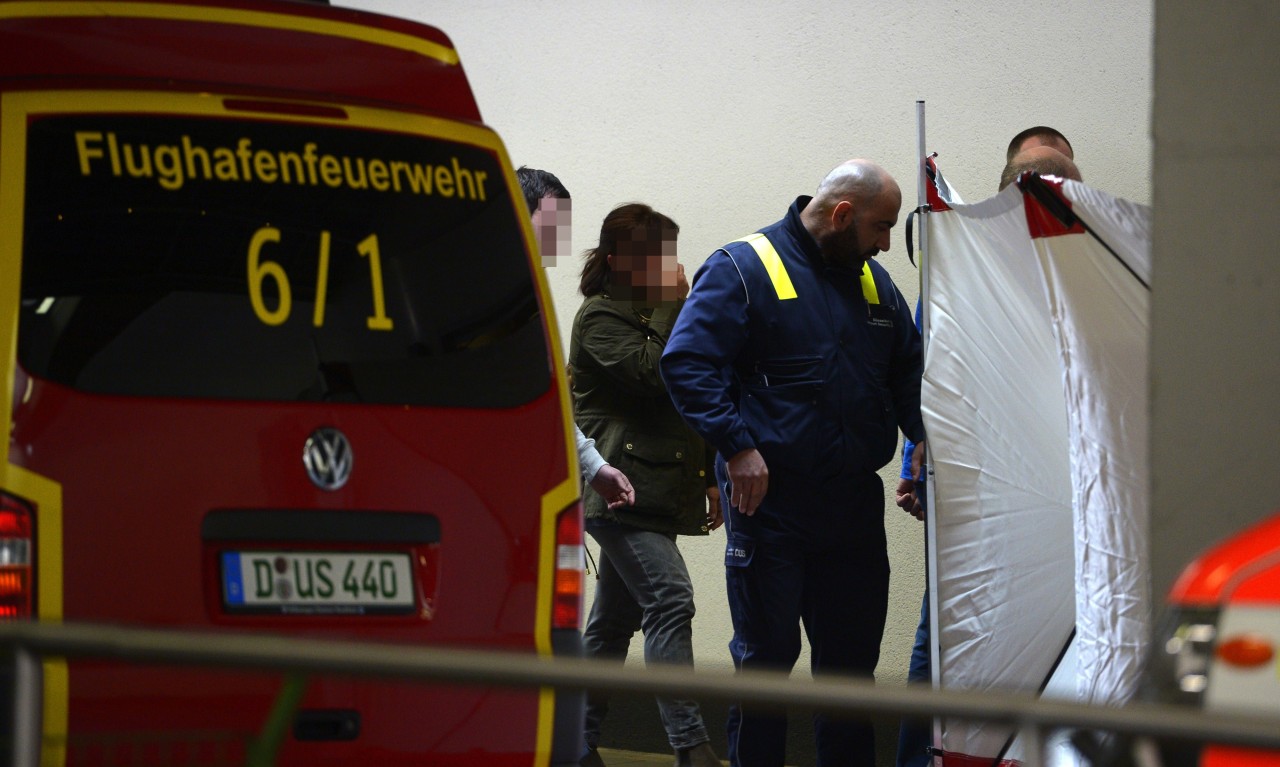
x,y
1218,648
275,357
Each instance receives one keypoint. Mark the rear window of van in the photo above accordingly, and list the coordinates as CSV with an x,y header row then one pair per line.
x,y
229,258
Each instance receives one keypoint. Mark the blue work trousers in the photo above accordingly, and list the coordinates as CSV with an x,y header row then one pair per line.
x,y
841,595
643,584
916,735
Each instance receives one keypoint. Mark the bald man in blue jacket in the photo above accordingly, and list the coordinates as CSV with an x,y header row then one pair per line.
x,y
797,358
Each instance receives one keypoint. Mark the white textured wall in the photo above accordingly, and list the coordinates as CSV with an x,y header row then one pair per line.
x,y
719,114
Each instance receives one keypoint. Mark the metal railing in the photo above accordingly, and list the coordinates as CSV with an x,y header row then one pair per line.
x,y
1033,718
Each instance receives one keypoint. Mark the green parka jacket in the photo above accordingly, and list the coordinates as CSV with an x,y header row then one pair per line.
x,y
620,401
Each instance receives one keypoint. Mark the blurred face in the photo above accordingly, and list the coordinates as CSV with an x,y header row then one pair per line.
x,y
644,265
552,226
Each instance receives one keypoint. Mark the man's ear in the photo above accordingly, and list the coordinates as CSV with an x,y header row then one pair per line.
x,y
842,215
608,259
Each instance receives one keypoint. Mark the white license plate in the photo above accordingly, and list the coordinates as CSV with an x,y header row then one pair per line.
x,y
317,582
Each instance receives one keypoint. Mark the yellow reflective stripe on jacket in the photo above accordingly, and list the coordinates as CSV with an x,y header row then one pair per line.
x,y
772,265
782,281
869,291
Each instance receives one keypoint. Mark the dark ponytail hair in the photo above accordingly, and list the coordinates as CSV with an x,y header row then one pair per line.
x,y
622,220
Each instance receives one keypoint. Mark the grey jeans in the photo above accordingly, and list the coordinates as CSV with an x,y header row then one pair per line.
x,y
642,584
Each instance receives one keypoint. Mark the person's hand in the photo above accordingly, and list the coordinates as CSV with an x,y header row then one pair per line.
x,y
748,480
682,283
907,500
614,486
715,514
905,495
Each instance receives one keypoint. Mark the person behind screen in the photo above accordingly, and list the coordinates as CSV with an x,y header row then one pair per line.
x,y
634,289
1046,152
550,209
1040,135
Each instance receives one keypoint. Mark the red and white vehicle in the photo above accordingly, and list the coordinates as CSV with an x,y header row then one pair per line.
x,y
276,355
1219,647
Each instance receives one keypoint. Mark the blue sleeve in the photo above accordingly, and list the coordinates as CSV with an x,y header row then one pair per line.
x,y
697,362
908,446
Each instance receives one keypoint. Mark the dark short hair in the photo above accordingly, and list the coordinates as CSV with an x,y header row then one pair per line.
x,y
1039,130
537,184
625,218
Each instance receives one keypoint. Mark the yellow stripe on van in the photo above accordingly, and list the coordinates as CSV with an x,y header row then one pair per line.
x,y
168,103
281,21
41,491
13,172
44,493
772,265
869,290
53,731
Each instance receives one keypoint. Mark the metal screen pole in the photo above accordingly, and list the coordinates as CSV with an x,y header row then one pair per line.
x,y
931,541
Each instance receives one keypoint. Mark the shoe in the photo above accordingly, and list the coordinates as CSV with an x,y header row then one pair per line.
x,y
701,755
591,759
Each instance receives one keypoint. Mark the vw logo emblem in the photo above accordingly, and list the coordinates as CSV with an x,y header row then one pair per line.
x,y
327,456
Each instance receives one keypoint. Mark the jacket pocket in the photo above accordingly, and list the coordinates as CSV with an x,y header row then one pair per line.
x,y
785,371
656,467
782,404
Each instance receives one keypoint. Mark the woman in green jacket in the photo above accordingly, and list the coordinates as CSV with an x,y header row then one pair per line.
x,y
634,288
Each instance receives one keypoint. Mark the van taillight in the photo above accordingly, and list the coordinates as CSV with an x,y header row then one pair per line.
x,y
567,598
15,558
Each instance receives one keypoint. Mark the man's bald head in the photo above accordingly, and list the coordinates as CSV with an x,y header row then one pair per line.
x,y
1041,160
852,211
855,181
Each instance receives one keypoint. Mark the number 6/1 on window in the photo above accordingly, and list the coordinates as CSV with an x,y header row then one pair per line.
x,y
259,271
